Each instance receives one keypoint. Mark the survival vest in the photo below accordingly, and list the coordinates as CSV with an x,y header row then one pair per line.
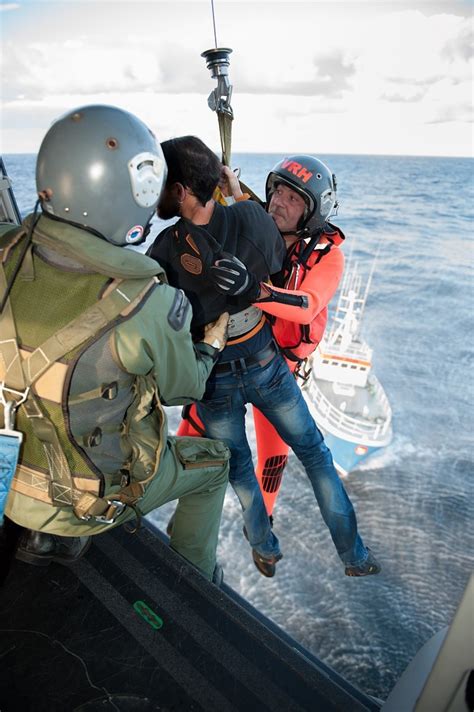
x,y
298,341
81,405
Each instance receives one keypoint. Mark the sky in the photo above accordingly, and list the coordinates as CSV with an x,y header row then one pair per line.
x,y
389,77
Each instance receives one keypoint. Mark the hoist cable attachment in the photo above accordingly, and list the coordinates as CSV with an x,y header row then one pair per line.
x,y
217,61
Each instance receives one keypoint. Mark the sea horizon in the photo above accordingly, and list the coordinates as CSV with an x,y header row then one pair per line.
x,y
309,153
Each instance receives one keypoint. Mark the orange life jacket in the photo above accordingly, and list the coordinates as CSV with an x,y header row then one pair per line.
x,y
297,341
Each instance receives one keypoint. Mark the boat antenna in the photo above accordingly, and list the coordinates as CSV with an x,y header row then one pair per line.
x,y
369,281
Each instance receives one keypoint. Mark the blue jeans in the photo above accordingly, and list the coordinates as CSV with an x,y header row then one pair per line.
x,y
275,392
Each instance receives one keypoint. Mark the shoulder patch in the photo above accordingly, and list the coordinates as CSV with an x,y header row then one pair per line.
x,y
191,264
179,310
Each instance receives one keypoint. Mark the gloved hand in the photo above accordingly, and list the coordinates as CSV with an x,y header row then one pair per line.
x,y
230,276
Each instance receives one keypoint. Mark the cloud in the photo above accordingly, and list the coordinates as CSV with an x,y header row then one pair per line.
x,y
463,113
410,89
40,69
378,65
403,98
412,81
327,75
82,66
460,47
9,6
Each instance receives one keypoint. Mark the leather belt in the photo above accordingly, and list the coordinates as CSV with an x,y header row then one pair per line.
x,y
261,358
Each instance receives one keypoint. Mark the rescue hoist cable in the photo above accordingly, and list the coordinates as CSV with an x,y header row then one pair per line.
x,y
214,23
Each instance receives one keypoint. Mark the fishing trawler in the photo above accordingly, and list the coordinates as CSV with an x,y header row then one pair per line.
x,y
343,394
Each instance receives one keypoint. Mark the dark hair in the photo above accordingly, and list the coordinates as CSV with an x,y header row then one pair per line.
x,y
193,164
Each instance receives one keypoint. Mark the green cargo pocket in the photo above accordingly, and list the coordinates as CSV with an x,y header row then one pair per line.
x,y
194,453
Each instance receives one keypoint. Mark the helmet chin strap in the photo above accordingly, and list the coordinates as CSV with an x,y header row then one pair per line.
x,y
302,232
287,233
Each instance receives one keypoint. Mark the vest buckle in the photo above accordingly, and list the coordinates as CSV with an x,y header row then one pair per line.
x,y
114,510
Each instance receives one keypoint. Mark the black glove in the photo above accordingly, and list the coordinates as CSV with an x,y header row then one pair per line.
x,y
230,276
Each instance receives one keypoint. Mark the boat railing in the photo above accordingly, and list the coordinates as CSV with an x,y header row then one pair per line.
x,y
349,425
356,349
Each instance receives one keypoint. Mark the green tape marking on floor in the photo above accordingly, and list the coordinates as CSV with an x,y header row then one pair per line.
x,y
144,610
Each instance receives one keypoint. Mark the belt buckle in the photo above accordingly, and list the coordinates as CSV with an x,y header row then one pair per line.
x,y
120,506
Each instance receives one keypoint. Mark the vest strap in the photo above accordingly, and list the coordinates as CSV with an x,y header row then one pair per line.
x,y
106,510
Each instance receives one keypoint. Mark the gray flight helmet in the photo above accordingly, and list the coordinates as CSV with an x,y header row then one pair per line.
x,y
314,181
101,168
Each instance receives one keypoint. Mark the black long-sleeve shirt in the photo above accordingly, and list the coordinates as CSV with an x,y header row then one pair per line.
x,y
186,251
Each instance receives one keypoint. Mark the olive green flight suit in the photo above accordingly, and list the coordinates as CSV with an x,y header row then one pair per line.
x,y
105,397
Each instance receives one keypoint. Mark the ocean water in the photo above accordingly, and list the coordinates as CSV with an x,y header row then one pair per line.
x,y
414,499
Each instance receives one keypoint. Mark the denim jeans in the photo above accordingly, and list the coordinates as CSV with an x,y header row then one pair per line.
x,y
275,392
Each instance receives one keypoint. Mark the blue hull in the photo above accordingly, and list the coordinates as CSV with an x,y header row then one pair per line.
x,y
347,455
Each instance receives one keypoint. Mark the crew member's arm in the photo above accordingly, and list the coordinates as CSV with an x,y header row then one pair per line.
x,y
317,290
157,342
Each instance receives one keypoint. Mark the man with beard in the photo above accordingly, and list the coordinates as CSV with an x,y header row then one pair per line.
x,y
207,253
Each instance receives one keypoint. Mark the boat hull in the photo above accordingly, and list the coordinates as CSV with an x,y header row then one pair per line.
x,y
347,455
351,441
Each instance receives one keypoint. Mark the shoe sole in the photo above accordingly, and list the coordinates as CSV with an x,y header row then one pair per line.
x,y
47,559
370,572
261,564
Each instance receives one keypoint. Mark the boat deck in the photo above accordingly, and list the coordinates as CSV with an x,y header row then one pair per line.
x,y
87,638
364,404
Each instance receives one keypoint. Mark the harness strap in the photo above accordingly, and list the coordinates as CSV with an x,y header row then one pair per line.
x,y
14,235
106,510
9,354
224,120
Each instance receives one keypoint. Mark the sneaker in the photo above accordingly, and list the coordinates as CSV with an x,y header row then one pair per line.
x,y
41,549
266,564
370,567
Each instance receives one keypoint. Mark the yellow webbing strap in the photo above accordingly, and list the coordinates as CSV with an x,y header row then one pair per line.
x,y
225,132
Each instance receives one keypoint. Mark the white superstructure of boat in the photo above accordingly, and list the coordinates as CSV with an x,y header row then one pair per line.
x,y
345,397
